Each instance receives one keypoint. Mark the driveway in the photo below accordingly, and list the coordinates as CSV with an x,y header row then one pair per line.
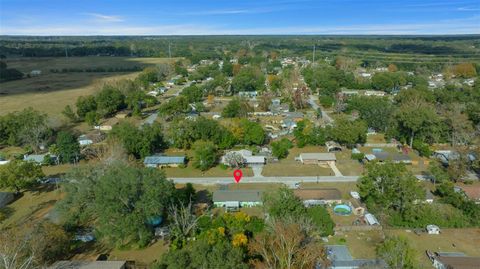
x,y
315,106
257,170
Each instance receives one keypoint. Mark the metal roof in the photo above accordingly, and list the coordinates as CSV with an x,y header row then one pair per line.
x,y
88,265
318,156
371,219
164,160
237,195
5,198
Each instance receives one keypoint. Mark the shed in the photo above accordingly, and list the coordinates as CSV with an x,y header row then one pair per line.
x,y
371,219
6,198
433,229
164,161
333,146
83,140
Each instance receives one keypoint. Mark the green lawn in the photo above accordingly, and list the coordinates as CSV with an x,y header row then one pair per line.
x,y
376,138
362,245
346,165
290,167
144,256
216,171
32,206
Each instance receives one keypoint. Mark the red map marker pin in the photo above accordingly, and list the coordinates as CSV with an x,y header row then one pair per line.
x,y
237,174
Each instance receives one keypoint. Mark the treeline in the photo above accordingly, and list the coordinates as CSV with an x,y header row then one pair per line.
x,y
7,74
97,69
212,47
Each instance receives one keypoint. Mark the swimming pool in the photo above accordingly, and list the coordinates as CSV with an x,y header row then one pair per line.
x,y
343,210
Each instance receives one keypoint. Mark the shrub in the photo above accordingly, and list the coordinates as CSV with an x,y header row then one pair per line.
x,y
358,156
321,219
326,101
422,148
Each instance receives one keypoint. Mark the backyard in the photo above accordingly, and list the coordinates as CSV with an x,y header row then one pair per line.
x,y
449,240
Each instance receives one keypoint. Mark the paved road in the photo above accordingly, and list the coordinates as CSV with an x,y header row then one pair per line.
x,y
263,179
285,180
315,106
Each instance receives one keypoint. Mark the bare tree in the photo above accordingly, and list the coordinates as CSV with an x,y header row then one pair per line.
x,y
234,159
461,128
15,251
184,220
285,245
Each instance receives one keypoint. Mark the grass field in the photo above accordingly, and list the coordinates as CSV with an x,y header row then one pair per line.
x,y
290,167
33,205
51,92
343,187
362,245
144,256
450,240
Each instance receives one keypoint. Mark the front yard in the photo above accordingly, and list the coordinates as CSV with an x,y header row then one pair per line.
x,y
290,167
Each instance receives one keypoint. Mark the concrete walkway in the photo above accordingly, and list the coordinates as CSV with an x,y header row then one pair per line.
x,y
335,169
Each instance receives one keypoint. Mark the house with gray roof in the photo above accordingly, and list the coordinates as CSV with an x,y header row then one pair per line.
x,y
340,258
384,156
89,265
39,158
234,199
163,161
6,198
317,158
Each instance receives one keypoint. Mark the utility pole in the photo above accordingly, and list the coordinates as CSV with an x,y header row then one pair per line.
x,y
169,51
66,52
313,58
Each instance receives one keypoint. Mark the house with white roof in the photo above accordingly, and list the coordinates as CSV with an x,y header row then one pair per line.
x,y
249,158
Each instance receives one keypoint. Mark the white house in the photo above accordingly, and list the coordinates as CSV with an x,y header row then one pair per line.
x,y
35,73
248,157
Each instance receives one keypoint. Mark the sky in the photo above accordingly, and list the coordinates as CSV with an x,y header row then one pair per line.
x,y
238,17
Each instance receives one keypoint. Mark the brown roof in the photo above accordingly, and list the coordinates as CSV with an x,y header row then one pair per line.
x,y
460,262
473,192
318,194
